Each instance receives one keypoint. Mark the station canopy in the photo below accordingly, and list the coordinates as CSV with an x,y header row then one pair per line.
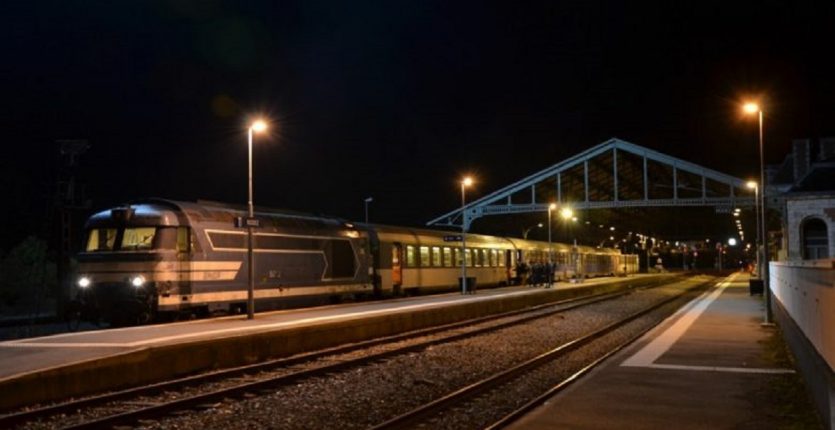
x,y
615,189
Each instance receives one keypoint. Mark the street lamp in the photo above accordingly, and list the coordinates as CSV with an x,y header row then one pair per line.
x,y
528,230
567,214
551,207
753,185
255,127
754,108
367,201
466,182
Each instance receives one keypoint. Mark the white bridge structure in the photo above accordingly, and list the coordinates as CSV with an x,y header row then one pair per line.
x,y
613,174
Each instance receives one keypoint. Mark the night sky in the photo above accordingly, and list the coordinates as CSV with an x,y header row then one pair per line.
x,y
391,99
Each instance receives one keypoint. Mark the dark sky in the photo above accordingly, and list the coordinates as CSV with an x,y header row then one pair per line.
x,y
390,99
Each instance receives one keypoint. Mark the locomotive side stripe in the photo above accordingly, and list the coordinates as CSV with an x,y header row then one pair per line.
x,y
203,275
106,266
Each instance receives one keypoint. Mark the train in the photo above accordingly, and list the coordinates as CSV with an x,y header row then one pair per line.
x,y
152,259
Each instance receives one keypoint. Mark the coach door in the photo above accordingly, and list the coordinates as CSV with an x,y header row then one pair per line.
x,y
397,266
510,268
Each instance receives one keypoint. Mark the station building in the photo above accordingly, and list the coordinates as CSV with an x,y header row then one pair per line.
x,y
802,279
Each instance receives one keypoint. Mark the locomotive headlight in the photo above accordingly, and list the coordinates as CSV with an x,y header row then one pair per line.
x,y
137,281
83,282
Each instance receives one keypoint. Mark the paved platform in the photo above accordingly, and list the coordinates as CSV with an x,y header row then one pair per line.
x,y
697,370
58,366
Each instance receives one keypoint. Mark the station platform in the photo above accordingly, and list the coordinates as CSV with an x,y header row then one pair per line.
x,y
705,367
72,364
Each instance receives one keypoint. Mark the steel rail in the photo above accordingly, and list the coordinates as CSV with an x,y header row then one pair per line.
x,y
412,418
539,311
194,401
574,377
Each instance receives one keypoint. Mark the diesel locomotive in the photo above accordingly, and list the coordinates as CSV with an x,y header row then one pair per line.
x,y
155,258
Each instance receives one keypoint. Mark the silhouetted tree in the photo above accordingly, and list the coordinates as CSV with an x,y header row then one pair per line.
x,y
27,277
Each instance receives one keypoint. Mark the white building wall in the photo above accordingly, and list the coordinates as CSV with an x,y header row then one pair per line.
x,y
806,290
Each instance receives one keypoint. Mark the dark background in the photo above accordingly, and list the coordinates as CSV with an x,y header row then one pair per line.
x,y
395,100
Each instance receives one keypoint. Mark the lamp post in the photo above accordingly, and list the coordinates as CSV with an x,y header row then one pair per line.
x,y
567,214
256,127
753,185
528,230
752,108
551,207
550,270
466,182
367,201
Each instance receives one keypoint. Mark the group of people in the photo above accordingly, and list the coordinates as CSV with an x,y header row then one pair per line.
x,y
536,274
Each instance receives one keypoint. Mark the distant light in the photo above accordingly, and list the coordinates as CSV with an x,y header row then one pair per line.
x,y
83,282
751,184
539,225
137,281
736,213
611,238
552,206
258,126
468,180
611,229
574,219
732,242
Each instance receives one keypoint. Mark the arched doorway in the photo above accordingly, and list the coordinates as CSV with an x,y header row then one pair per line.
x,y
815,239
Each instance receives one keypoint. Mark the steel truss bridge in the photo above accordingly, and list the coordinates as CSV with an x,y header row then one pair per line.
x,y
613,174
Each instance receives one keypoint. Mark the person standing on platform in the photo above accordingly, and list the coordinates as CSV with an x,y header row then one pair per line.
x,y
550,274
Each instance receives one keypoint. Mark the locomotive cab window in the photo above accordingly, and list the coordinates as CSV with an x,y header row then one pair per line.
x,y
183,239
101,239
138,238
174,238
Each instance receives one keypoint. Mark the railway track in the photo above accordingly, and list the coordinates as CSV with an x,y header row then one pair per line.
x,y
427,415
132,405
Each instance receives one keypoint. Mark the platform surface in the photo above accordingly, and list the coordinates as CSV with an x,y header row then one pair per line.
x,y
696,370
37,354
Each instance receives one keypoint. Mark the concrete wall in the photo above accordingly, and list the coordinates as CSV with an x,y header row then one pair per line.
x,y
800,208
804,293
